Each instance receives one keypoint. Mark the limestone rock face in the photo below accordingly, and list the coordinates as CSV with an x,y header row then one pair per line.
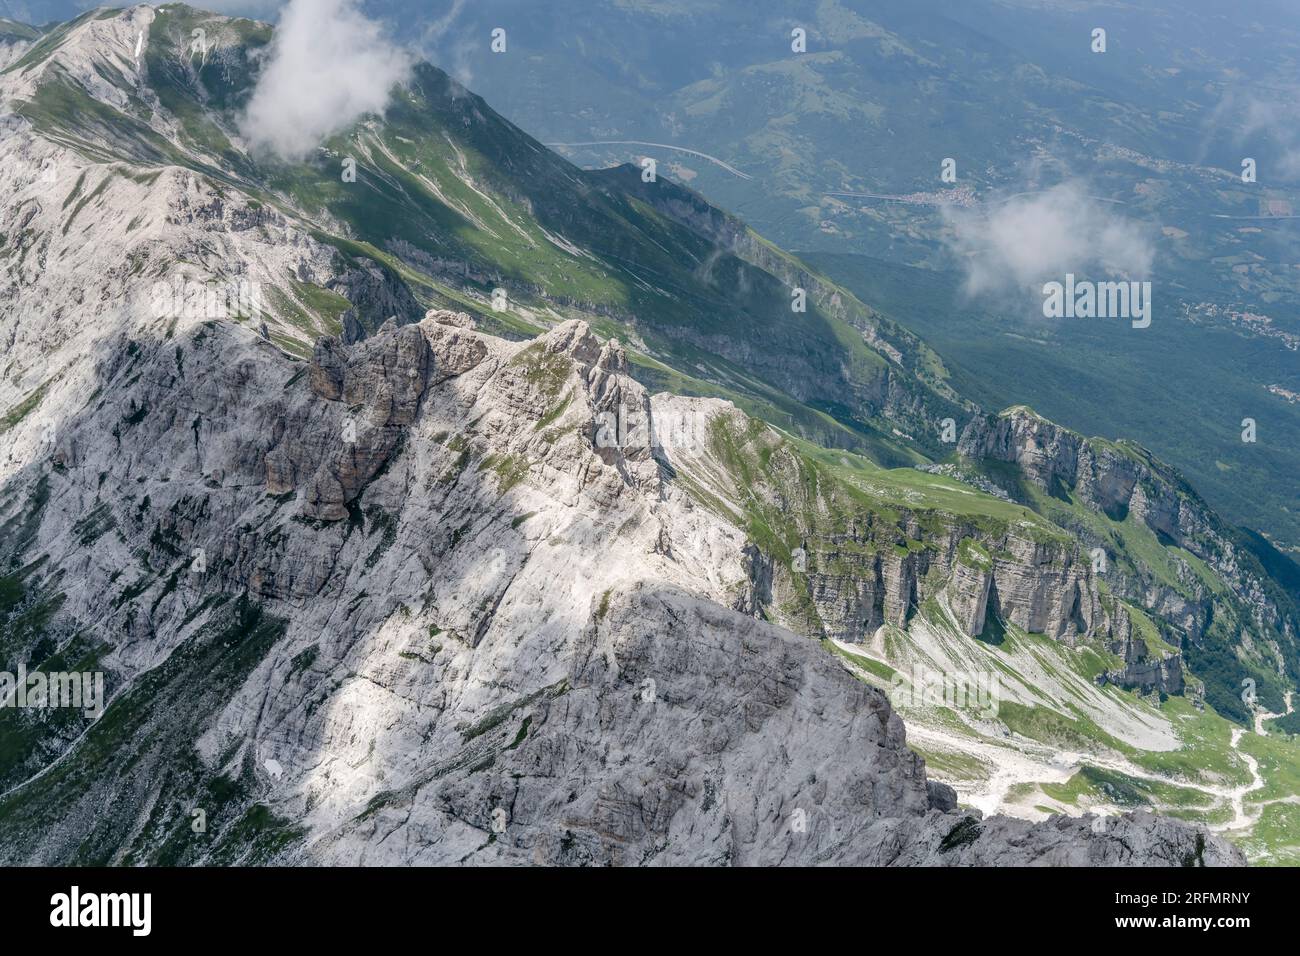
x,y
1142,669
377,587
811,768
502,638
1044,587
1116,479
864,567
454,352
447,317
328,364
1163,675
1125,483
967,597
382,378
387,374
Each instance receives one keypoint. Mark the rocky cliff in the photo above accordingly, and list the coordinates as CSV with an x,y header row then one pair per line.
x,y
370,584
862,549
469,630
1161,546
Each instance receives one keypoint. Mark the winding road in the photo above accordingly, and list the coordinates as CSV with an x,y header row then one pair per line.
x,y
681,149
1240,817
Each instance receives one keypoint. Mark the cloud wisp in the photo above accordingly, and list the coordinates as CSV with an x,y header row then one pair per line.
x,y
1024,241
328,65
1249,121
453,51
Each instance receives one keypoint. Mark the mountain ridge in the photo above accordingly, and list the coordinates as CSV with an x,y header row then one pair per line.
x,y
179,430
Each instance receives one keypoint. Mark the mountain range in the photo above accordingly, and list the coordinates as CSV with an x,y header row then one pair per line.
x,y
430,499
839,152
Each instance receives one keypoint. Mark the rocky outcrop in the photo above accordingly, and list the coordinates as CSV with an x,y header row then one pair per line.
x,y
1042,587
1125,483
1142,670
380,380
1120,480
729,741
1108,478
967,595
1162,675
881,568
517,648
861,567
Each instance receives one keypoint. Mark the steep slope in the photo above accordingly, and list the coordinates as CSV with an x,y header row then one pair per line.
x,y
475,626
452,203
1163,548
15,40
352,568
839,153
1036,651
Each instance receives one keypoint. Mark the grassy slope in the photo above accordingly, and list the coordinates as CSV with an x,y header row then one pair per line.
x,y
1188,781
1097,377
494,199
457,183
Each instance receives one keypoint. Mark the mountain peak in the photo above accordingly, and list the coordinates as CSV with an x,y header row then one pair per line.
x,y
432,452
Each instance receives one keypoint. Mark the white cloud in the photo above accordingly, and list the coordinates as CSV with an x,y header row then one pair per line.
x,y
1027,240
453,52
1280,126
1273,124
438,26
328,65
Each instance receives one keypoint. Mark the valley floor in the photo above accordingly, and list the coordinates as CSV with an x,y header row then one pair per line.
x,y
1049,740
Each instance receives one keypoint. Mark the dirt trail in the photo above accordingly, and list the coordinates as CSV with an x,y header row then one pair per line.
x,y
1013,762
1242,819
1036,764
